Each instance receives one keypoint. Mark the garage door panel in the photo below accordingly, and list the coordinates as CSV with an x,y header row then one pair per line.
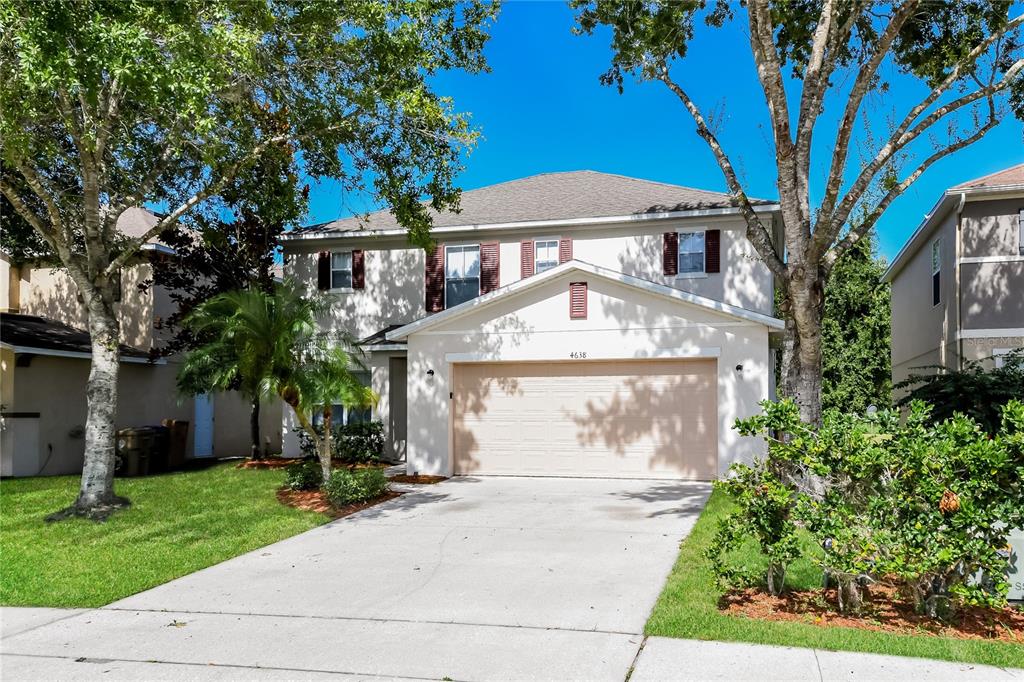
x,y
652,418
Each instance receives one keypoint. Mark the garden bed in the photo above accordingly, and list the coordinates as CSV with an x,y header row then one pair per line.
x,y
887,613
422,479
316,501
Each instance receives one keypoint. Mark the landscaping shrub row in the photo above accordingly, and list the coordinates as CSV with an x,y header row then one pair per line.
x,y
360,443
900,499
345,486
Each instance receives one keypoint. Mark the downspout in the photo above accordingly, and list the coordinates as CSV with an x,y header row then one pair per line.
x,y
956,280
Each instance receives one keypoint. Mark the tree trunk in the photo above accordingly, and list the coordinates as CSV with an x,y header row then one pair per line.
x,y
254,428
324,446
802,351
96,497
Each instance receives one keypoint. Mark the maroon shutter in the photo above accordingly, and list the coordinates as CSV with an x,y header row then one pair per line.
x,y
323,271
435,280
489,268
713,251
526,259
358,270
564,249
578,301
670,253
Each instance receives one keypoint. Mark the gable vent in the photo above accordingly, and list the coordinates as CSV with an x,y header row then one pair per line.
x,y
578,301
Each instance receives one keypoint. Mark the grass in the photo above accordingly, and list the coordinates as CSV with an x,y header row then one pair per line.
x,y
688,608
178,523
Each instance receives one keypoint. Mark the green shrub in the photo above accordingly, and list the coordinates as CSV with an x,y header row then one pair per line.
x,y
930,505
356,485
360,443
303,475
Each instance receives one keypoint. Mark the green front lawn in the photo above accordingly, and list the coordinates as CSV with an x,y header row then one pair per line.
x,y
688,607
178,523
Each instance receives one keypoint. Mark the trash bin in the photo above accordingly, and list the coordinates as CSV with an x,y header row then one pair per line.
x,y
177,442
159,458
134,448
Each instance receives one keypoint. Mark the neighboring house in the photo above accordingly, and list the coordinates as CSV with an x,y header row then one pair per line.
x,y
44,357
570,324
958,284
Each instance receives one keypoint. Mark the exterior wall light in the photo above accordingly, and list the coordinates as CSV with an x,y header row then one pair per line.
x,y
739,368
430,372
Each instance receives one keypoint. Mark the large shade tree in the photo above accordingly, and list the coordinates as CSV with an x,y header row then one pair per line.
x,y
820,64
112,104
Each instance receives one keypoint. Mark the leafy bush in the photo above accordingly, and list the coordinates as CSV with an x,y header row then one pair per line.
x,y
361,443
928,505
975,391
356,485
303,475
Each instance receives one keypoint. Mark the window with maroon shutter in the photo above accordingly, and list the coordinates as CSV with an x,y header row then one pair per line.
x,y
670,253
434,280
713,254
526,259
490,272
564,249
323,271
578,301
358,270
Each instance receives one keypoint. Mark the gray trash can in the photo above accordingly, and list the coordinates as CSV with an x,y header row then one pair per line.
x,y
135,450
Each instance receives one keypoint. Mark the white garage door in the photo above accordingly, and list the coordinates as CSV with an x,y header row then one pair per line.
x,y
630,418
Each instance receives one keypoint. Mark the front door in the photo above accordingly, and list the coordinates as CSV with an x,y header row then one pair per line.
x,y
204,426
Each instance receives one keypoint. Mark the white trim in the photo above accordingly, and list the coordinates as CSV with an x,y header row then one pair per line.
x,y
524,355
590,269
387,347
989,333
77,354
534,224
694,275
990,259
563,330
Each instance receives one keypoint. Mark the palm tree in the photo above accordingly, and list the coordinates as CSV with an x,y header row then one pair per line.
x,y
267,344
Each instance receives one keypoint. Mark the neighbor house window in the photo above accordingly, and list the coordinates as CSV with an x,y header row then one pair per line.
x,y
1020,232
341,270
545,255
461,274
691,253
936,271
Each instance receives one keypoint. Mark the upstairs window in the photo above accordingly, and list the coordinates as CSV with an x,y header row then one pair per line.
x,y
691,253
341,270
545,255
936,272
461,274
1020,232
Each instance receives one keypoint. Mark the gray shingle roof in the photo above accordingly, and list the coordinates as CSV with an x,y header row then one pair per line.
x,y
552,196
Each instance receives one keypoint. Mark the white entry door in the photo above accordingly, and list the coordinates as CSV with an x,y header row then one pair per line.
x,y
204,426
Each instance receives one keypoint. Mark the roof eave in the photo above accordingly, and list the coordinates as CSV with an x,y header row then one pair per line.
x,y
535,224
537,280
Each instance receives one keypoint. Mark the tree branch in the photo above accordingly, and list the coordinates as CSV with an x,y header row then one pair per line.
x,y
861,85
756,232
856,234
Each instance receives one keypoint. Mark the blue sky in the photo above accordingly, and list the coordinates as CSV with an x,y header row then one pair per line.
x,y
541,109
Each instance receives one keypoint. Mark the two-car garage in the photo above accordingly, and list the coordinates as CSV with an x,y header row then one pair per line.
x,y
619,418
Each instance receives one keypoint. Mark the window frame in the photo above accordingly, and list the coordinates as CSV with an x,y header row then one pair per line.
x,y
346,412
1020,232
936,277
332,270
479,275
692,274
536,261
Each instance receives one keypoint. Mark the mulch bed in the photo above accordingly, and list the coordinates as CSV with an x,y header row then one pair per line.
x,y
418,478
887,611
315,500
282,462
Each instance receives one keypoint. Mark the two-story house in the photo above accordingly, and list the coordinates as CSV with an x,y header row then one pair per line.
x,y
570,324
958,283
44,365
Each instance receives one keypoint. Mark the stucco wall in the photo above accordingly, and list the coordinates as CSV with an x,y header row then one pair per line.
x,y
622,323
394,292
923,333
50,292
990,228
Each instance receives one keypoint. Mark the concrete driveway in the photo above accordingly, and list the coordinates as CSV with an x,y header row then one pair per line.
x,y
470,579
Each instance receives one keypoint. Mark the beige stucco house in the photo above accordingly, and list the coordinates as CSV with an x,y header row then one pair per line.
x,y
571,324
44,358
958,283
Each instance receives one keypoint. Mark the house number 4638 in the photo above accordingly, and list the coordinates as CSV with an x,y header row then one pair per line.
x,y
578,354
